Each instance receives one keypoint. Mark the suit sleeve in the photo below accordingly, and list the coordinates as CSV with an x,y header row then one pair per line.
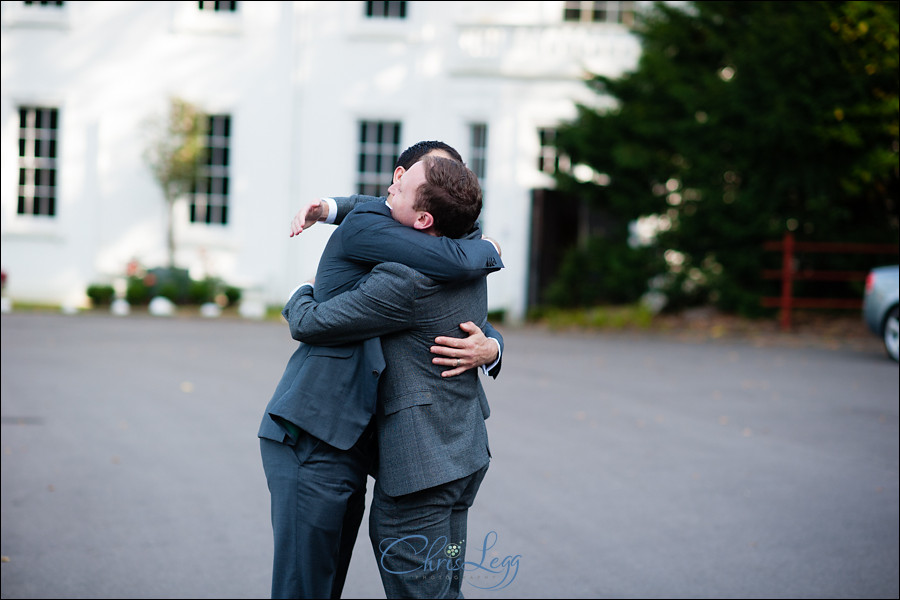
x,y
377,238
490,332
381,304
347,203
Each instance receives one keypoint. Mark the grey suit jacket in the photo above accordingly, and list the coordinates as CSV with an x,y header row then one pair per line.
x,y
331,392
431,429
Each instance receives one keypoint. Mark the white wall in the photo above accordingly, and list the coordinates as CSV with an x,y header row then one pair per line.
x,y
296,77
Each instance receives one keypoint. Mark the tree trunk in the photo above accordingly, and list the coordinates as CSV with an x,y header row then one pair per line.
x,y
170,231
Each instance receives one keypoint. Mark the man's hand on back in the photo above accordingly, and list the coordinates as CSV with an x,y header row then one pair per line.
x,y
462,354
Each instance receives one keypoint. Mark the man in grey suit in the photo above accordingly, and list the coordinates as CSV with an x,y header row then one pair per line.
x,y
315,436
431,434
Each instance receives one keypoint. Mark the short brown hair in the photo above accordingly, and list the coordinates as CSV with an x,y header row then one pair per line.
x,y
452,194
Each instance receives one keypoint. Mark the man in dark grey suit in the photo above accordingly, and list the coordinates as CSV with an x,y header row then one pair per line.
x,y
315,436
458,354
432,439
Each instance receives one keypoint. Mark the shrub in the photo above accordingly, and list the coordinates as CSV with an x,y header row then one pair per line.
x,y
603,272
497,316
233,294
100,294
169,289
137,291
204,291
174,284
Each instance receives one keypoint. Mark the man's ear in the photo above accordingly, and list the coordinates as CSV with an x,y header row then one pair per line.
x,y
424,220
398,173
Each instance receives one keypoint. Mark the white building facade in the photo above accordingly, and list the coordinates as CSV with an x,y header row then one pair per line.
x,y
306,99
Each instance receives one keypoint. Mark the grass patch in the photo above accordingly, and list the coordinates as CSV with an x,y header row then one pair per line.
x,y
35,307
273,313
598,317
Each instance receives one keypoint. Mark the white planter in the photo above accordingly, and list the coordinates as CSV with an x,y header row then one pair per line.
x,y
161,307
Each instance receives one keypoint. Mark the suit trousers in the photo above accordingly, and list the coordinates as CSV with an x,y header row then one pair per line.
x,y
318,495
419,539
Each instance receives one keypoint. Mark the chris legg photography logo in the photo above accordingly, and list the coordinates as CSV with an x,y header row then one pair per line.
x,y
444,558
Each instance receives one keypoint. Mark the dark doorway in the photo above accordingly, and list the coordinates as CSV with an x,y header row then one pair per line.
x,y
555,225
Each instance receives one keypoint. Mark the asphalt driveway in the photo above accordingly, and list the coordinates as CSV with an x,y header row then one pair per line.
x,y
624,466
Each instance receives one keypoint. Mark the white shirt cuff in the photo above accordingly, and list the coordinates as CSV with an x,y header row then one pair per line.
x,y
297,289
487,368
332,210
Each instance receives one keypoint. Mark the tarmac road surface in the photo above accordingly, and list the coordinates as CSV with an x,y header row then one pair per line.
x,y
624,465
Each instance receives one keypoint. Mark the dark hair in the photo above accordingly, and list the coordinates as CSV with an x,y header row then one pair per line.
x,y
414,153
451,194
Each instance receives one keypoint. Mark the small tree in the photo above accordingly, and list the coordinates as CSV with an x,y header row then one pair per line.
x,y
173,153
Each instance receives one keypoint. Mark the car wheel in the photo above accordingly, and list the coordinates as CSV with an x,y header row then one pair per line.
x,y
891,334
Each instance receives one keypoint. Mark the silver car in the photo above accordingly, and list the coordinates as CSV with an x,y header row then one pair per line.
x,y
880,306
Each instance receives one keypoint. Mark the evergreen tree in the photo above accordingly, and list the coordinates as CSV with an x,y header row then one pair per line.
x,y
742,121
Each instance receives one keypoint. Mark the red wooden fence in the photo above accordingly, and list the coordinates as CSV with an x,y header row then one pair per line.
x,y
788,274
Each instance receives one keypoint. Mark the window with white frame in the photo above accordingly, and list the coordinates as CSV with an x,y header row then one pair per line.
x,y
38,129
217,6
209,198
207,17
36,14
379,148
387,10
600,12
549,159
478,149
547,152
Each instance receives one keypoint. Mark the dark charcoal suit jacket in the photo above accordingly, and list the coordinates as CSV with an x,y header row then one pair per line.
x,y
431,429
329,388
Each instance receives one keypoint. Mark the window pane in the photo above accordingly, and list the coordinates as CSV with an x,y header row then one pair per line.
x,y
217,6
210,195
386,9
572,11
478,150
37,161
378,151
